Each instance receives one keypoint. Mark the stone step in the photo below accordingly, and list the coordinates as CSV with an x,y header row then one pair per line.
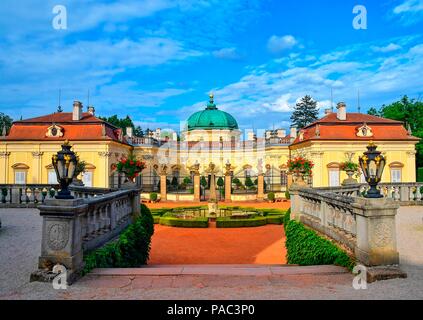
x,y
227,270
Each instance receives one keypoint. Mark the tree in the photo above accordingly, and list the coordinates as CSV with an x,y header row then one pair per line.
x,y
373,112
122,123
410,112
5,122
220,182
305,112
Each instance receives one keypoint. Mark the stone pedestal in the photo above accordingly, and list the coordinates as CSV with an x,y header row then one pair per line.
x,y
350,180
61,240
197,188
295,202
260,187
228,188
213,207
376,234
163,188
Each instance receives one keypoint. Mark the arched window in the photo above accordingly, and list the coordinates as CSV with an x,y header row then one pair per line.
x,y
396,172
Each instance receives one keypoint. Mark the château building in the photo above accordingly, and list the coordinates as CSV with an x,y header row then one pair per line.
x,y
210,136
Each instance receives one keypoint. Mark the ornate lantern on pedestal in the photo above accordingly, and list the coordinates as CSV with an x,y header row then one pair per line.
x,y
64,163
372,164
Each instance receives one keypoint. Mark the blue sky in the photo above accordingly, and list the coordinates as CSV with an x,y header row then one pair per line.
x,y
157,60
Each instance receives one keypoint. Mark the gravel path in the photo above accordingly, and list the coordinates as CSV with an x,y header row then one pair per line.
x,y
20,247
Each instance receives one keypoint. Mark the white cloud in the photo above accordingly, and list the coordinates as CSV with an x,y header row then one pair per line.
x,y
227,53
278,44
389,48
409,12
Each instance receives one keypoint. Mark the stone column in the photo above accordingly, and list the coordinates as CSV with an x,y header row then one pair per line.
x,y
197,188
228,188
260,187
376,234
163,187
294,192
61,236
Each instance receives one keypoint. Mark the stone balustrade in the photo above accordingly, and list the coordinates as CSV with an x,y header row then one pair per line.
x,y
25,196
71,227
365,226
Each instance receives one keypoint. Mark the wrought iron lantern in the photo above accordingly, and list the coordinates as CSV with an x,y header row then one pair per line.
x,y
64,163
372,164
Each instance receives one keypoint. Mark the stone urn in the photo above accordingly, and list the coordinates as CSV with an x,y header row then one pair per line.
x,y
350,180
298,178
128,184
77,182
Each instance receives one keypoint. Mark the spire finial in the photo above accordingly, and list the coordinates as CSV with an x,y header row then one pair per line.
x,y
211,104
211,95
59,107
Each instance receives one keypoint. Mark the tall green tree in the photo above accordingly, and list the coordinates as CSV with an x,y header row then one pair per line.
x,y
122,123
410,112
305,112
5,122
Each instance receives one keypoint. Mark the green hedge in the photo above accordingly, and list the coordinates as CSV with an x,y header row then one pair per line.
x,y
132,249
420,175
227,222
184,223
275,219
305,247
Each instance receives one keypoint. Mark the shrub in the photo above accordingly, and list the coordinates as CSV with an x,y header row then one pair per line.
x,y
228,222
220,183
153,196
420,175
274,219
287,195
132,249
184,223
271,196
305,247
187,180
249,183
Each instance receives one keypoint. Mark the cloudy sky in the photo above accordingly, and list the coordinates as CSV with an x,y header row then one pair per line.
x,y
157,60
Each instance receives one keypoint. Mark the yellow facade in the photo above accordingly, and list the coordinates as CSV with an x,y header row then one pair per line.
x,y
33,159
327,155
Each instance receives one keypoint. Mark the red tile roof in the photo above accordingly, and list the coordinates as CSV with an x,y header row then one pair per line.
x,y
333,129
89,128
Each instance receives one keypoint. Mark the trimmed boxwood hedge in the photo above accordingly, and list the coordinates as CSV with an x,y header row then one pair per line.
x,y
132,249
227,222
305,247
184,223
275,219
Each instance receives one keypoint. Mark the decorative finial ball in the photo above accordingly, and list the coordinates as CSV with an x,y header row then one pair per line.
x,y
211,95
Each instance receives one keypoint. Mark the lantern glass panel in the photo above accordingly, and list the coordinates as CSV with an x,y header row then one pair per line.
x,y
372,169
71,170
60,169
380,169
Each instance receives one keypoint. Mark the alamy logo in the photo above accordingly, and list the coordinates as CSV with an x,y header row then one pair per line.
x,y
59,282
360,21
360,280
60,21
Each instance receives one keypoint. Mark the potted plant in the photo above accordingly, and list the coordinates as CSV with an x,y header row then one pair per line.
x,y
153,197
271,197
80,168
131,167
351,169
300,167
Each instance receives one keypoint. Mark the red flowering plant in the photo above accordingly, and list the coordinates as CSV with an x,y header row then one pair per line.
x,y
301,165
130,166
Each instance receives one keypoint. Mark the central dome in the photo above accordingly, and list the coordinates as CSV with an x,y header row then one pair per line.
x,y
211,118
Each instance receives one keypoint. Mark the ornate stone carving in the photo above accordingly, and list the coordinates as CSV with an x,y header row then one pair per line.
x,y
4,154
54,131
364,131
195,168
162,169
57,236
382,234
37,154
105,154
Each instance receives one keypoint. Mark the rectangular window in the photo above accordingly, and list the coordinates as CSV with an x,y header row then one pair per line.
x,y
87,178
334,178
396,175
20,177
52,178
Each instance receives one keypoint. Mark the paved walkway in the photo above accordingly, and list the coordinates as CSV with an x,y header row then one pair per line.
x,y
260,245
20,247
